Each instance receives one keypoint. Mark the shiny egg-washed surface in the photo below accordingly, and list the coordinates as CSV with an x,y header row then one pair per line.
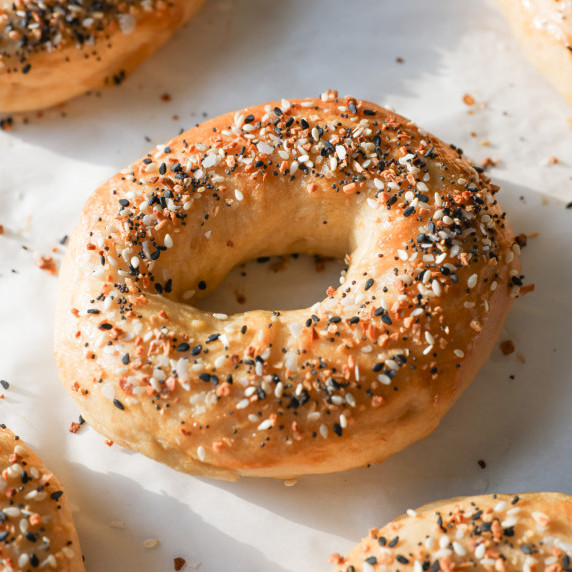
x,y
432,270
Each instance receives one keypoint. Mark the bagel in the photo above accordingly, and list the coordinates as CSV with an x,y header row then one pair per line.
x,y
506,533
543,29
432,271
36,525
53,50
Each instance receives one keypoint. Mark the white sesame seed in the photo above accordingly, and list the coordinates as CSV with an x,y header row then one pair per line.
x,y
472,281
510,521
324,431
168,241
459,353
201,453
150,543
263,147
436,287
443,553
501,506
239,196
266,424
341,152
382,378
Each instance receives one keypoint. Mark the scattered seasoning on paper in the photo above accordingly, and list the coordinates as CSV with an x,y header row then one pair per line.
x,y
6,123
482,464
468,99
151,543
74,427
507,347
46,263
179,563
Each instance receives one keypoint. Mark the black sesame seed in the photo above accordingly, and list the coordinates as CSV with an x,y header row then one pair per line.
x,y
249,119
338,429
202,285
183,347
394,542
56,495
125,359
118,404
401,559
196,350
369,283
386,319
371,560
162,169
32,537
391,201
408,211
352,107
5,385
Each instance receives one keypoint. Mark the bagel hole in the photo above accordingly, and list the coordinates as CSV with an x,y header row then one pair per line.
x,y
285,282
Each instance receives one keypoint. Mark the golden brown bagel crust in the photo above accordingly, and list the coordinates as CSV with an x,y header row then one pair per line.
x,y
544,30
360,375
62,49
36,525
527,532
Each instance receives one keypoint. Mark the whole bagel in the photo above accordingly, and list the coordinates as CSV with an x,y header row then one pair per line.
x,y
506,533
543,29
36,526
432,269
53,50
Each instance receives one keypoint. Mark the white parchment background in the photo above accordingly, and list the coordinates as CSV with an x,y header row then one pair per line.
x,y
242,52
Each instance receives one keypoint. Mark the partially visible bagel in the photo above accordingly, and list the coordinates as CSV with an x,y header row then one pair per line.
x,y
544,30
53,50
36,525
366,371
493,533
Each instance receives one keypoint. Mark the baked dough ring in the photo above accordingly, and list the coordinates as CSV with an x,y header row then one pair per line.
x,y
544,30
36,525
360,375
506,533
61,49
